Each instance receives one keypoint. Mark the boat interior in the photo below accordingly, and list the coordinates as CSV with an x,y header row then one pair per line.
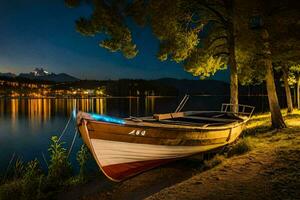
x,y
191,118
200,118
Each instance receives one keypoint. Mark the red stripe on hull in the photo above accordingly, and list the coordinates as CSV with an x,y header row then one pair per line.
x,y
123,171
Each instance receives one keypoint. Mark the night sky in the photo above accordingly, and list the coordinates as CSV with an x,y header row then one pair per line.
x,y
41,33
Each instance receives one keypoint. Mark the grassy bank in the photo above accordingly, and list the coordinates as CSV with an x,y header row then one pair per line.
x,y
28,180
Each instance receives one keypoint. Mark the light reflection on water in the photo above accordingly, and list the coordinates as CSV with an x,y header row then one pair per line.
x,y
26,125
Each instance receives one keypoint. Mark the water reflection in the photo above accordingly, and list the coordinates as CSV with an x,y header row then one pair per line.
x,y
149,105
43,109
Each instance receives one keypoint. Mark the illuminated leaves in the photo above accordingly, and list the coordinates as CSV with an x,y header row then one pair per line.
x,y
179,27
250,69
280,18
204,65
171,23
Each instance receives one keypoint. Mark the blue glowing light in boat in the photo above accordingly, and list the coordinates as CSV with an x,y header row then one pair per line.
x,y
108,119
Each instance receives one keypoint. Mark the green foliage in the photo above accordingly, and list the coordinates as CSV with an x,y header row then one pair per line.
x,y
281,20
287,68
179,35
32,180
82,158
295,69
59,167
107,18
18,169
27,186
28,181
11,190
204,65
181,39
294,73
250,70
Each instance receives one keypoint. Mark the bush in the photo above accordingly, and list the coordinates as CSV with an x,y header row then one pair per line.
x,y
242,146
82,158
59,168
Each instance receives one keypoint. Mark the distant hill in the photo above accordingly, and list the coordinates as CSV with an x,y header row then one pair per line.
x,y
11,75
164,86
41,74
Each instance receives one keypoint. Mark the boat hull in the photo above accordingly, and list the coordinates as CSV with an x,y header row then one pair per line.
x,y
124,150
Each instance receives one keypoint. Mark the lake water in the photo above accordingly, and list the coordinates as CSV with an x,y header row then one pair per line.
x,y
26,125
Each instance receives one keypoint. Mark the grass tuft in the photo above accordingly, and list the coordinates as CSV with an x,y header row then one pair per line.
x,y
82,157
11,190
242,146
216,160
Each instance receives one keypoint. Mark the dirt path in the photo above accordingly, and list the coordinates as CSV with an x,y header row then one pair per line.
x,y
150,182
138,187
271,171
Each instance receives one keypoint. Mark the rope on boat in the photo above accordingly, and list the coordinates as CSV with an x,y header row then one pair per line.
x,y
73,142
64,130
9,164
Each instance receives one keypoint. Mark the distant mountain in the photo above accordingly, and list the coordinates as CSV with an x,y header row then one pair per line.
x,y
62,77
41,74
11,75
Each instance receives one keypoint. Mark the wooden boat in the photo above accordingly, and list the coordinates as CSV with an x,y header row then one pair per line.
x,y
126,147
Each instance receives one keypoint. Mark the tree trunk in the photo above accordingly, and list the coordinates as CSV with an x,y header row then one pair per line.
x,y
295,96
277,119
233,85
234,90
298,92
287,89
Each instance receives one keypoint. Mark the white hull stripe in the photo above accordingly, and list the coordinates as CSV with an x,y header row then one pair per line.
x,y
114,152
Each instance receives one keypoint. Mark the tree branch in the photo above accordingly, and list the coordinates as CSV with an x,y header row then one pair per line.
x,y
218,38
215,12
220,45
221,53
